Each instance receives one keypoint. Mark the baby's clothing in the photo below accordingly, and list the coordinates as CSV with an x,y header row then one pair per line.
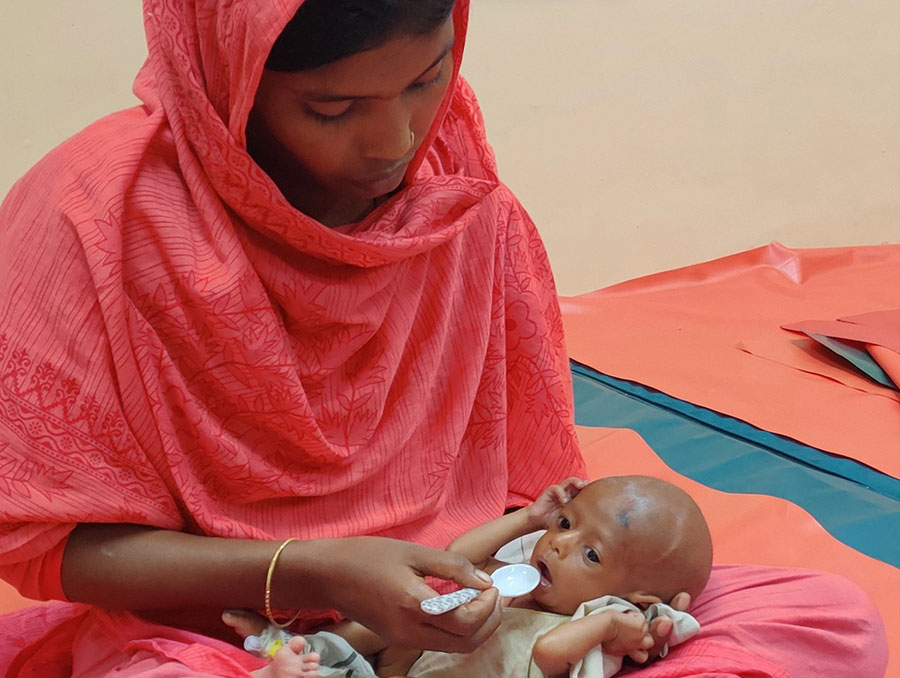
x,y
336,656
508,652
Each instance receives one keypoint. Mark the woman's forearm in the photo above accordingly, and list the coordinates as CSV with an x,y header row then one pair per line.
x,y
169,576
138,568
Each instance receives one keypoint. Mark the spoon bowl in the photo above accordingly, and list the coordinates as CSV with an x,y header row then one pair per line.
x,y
510,580
516,580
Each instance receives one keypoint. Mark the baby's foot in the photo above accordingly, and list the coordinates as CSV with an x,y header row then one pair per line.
x,y
290,662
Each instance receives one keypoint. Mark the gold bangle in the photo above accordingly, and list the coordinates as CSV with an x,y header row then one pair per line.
x,y
272,564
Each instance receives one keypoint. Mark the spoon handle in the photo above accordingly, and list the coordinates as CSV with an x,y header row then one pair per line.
x,y
448,601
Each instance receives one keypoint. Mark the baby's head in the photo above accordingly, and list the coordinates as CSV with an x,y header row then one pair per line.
x,y
635,537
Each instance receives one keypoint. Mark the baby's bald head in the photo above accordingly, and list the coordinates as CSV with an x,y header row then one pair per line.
x,y
661,530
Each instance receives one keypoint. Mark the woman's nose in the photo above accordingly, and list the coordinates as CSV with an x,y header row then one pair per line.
x,y
389,137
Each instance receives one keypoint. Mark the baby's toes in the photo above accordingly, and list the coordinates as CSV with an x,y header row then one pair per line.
x,y
310,668
298,644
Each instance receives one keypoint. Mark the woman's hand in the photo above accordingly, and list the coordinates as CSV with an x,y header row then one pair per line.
x,y
379,582
545,508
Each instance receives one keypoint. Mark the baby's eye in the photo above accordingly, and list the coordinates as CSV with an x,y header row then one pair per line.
x,y
592,555
563,523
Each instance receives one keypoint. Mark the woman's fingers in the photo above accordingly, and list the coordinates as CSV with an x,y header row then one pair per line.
x,y
469,626
452,567
380,583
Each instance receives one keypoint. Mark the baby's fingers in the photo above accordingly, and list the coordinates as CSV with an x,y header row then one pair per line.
x,y
572,486
642,654
660,628
639,656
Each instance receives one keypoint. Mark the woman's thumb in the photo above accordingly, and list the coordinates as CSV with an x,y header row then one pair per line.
x,y
456,568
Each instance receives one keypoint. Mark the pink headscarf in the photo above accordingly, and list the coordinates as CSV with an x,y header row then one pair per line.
x,y
180,347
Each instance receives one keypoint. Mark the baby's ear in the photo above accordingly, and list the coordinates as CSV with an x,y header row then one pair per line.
x,y
641,599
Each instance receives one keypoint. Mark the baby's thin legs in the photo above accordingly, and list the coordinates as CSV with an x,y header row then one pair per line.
x,y
244,622
290,662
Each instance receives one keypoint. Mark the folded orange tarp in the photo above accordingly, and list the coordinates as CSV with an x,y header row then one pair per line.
x,y
881,328
877,334
691,333
755,529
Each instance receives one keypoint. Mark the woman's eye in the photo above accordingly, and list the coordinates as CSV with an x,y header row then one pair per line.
x,y
564,523
592,555
431,81
327,114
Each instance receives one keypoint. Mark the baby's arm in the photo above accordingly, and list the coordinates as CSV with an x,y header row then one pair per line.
x,y
361,638
391,661
620,633
482,542
396,662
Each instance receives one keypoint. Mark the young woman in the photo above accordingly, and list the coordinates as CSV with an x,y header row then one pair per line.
x,y
273,339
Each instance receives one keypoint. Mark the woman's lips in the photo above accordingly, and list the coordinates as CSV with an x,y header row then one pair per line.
x,y
384,182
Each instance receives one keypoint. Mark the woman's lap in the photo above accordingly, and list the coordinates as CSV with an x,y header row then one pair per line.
x,y
763,621
756,622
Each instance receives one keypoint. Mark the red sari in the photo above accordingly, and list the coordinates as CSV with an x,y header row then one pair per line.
x,y
181,348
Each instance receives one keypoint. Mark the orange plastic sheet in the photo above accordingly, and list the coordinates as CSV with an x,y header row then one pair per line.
x,y
10,600
711,334
755,529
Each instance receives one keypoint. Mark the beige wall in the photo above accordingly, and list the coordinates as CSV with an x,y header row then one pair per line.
x,y
641,135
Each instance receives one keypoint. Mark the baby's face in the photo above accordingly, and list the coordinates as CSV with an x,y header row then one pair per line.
x,y
588,552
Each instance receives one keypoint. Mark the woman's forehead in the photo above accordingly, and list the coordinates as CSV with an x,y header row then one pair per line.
x,y
382,72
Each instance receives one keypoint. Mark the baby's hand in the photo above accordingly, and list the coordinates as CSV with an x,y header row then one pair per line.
x,y
631,636
542,512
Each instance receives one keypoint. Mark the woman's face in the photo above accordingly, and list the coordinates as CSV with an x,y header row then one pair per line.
x,y
336,137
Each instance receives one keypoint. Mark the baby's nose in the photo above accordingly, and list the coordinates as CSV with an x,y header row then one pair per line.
x,y
563,544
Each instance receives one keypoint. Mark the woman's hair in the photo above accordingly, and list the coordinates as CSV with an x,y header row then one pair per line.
x,y
324,31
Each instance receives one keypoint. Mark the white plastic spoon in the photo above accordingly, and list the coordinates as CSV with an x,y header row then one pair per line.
x,y
510,580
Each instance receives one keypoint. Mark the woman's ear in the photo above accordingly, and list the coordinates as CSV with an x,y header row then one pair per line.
x,y
641,599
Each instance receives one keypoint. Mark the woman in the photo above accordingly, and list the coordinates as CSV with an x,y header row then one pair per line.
x,y
286,297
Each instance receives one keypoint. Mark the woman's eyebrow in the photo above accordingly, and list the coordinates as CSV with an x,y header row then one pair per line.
x,y
332,97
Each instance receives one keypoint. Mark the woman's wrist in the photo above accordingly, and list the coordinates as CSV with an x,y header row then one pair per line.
x,y
306,574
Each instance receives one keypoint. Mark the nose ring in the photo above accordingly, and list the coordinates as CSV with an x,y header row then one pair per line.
x,y
412,137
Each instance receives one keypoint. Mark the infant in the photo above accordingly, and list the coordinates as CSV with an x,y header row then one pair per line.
x,y
632,545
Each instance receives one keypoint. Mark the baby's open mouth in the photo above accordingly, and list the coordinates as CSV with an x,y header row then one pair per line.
x,y
546,578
